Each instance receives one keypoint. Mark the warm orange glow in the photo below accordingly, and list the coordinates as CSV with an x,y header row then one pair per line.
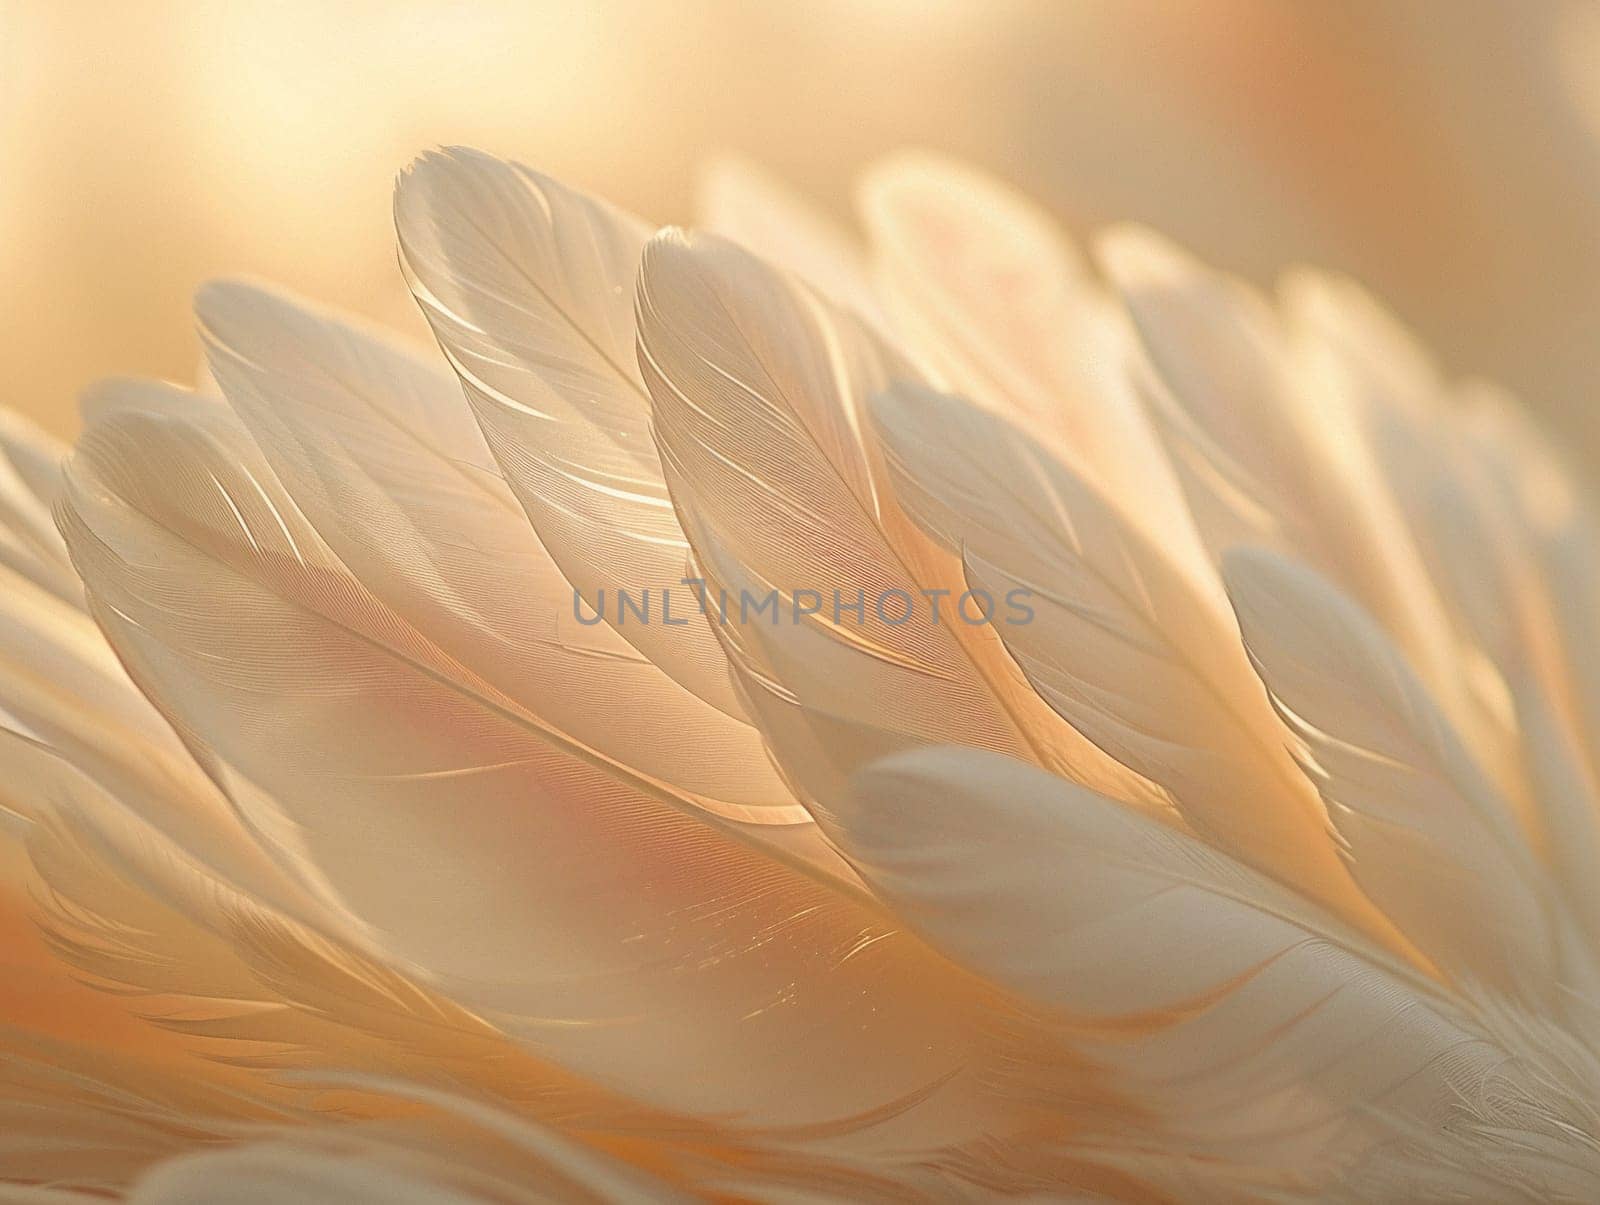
x,y
147,148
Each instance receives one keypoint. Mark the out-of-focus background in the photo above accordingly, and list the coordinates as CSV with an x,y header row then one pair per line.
x,y
1447,154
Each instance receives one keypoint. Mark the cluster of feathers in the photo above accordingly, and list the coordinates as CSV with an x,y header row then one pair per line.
x,y
342,863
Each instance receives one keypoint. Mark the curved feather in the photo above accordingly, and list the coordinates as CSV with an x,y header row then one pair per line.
x,y
197,957
744,203
30,478
759,388
994,302
1121,643
277,1007
529,288
382,456
437,1146
1484,562
1271,452
396,1165
62,689
82,1117
1420,822
1252,1028
1370,369
1570,556
1532,529
517,871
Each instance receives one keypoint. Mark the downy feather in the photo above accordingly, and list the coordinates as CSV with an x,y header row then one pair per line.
x,y
1257,1032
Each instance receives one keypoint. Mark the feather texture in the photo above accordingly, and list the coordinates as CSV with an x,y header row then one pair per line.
x,y
386,463
1120,643
995,303
202,570
1250,1023
528,286
760,391
360,841
1419,820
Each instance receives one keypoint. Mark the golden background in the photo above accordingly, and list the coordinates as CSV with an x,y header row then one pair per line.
x,y
1444,153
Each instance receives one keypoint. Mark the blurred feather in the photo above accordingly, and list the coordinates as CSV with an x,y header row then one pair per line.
x,y
996,303
1264,457
744,204
1418,819
29,480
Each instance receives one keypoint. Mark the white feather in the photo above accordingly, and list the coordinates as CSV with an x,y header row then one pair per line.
x,y
610,927
1120,642
1420,821
529,288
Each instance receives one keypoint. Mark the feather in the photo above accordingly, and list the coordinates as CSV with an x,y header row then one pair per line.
x,y
262,1173
1458,474
80,1117
528,287
62,688
1420,821
1464,536
1120,643
30,471
1461,513
444,1148
17,1194
759,388
240,980
608,927
1252,1028
1570,557
1343,332
1531,526
1183,872
994,302
1521,499
746,205
384,459
1569,806
274,1005
1266,457
48,797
